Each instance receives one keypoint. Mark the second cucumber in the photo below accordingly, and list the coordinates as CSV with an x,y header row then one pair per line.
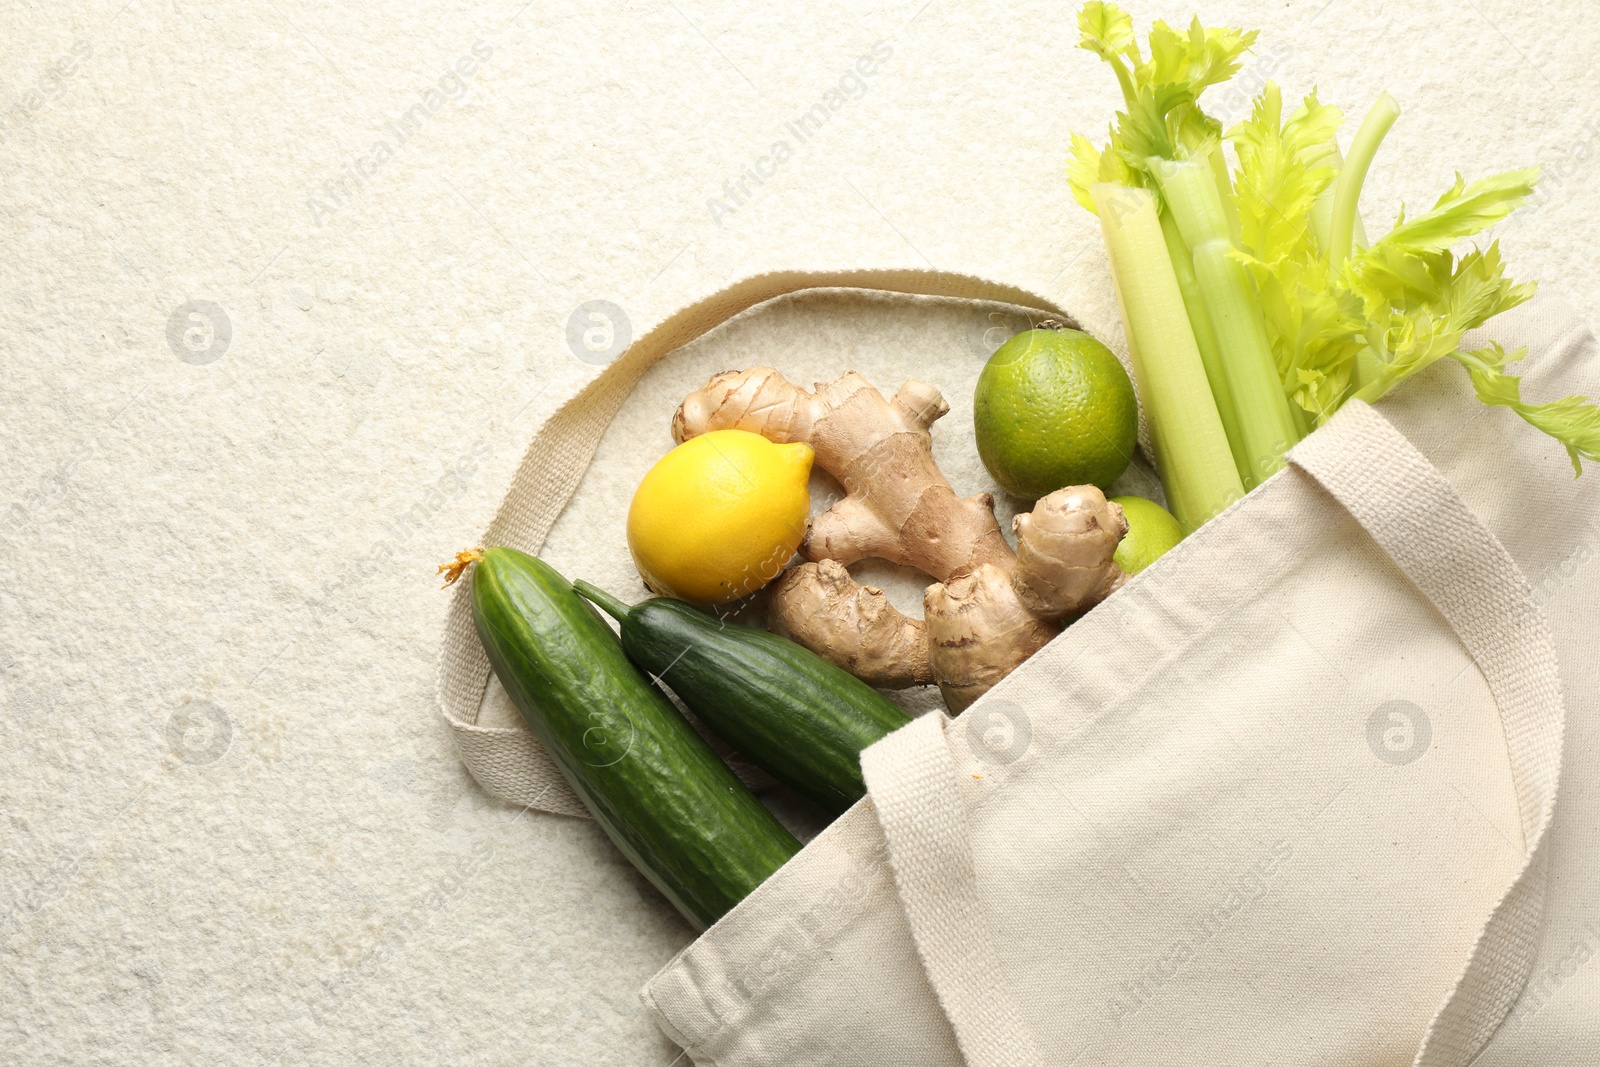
x,y
790,712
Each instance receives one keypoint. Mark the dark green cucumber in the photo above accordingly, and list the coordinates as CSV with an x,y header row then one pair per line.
x,y
787,710
654,785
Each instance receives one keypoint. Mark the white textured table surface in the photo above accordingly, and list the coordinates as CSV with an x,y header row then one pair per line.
x,y
235,829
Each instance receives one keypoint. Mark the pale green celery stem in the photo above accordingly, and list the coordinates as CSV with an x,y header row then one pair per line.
x,y
1366,376
1302,424
1322,206
1197,469
1219,174
1267,426
1205,337
1352,175
1124,80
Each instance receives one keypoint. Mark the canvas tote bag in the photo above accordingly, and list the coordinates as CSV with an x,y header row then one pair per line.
x,y
1285,798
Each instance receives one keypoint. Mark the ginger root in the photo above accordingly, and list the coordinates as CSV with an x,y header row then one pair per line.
x,y
822,607
989,608
898,506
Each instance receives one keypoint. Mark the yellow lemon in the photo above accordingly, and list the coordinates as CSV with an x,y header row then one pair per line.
x,y
718,517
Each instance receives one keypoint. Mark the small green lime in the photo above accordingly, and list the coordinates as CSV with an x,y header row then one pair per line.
x,y
1054,408
1151,531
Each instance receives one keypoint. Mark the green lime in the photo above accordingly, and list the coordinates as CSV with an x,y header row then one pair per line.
x,y
1054,408
1151,531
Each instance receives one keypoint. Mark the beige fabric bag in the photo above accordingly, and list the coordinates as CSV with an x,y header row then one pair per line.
x,y
1285,798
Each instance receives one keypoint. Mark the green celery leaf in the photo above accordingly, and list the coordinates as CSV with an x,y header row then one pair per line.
x,y
1169,58
1572,420
1105,29
1215,54
1479,290
1464,211
1142,131
1386,277
1418,306
1313,326
1083,170
1282,168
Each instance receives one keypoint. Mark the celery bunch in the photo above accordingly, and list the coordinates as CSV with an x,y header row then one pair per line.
x,y
1253,303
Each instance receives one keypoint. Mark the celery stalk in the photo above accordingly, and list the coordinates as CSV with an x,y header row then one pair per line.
x,y
1220,175
1347,190
1191,447
1205,337
1321,213
1267,427
1346,210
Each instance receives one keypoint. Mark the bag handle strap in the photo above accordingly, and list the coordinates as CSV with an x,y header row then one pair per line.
x,y
1415,515
509,763
912,785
